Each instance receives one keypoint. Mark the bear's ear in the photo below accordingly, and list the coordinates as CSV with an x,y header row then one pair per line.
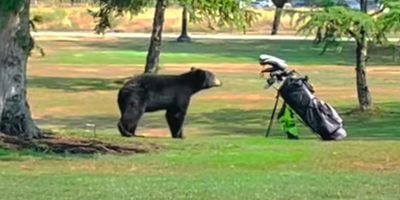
x,y
192,69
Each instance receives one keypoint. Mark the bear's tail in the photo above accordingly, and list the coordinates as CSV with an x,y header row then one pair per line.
x,y
123,131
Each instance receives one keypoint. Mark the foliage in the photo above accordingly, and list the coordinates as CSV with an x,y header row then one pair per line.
x,y
333,22
219,12
117,7
32,25
390,20
16,5
10,5
339,21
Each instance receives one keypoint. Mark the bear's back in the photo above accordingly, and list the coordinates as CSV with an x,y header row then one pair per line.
x,y
159,91
157,81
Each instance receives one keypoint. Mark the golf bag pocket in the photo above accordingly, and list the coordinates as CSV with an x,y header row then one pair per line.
x,y
327,122
320,117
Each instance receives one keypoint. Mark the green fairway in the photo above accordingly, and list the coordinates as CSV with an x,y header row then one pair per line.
x,y
225,155
134,51
214,168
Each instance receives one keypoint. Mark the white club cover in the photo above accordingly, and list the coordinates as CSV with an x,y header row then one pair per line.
x,y
273,59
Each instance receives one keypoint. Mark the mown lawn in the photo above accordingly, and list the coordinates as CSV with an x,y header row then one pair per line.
x,y
225,155
133,51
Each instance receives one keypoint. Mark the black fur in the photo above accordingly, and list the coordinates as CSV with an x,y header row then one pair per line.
x,y
151,92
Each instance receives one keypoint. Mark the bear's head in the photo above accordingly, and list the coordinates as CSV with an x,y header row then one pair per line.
x,y
204,79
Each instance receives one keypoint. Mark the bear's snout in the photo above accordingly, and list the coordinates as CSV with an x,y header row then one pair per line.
x,y
216,82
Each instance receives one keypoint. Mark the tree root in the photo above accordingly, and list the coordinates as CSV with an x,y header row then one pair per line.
x,y
359,111
61,145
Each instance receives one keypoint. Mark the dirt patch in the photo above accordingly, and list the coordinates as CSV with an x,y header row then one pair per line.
x,y
237,96
66,40
50,143
157,132
76,19
392,166
117,70
384,72
383,69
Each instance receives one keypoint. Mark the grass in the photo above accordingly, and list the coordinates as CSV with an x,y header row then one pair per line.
x,y
225,156
125,52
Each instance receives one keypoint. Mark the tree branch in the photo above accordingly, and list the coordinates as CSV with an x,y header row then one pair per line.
x,y
378,12
351,33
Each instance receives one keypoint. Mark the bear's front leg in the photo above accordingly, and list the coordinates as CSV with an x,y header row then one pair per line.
x,y
175,119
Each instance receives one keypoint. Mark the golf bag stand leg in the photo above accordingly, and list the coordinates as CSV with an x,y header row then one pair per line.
x,y
273,114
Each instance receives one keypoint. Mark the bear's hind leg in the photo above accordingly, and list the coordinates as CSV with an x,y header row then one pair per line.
x,y
126,133
175,119
130,119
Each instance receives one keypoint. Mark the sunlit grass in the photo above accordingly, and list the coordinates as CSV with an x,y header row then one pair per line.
x,y
225,154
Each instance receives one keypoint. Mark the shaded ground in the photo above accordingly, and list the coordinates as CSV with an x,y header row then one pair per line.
x,y
132,52
69,145
239,108
242,122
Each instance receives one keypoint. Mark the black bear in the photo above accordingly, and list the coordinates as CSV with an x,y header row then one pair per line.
x,y
151,92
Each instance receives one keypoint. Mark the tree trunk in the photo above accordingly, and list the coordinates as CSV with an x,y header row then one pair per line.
x,y
277,20
153,54
364,96
184,37
15,43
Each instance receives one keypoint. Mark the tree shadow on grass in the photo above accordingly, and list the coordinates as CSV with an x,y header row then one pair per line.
x,y
382,126
72,84
12,155
295,51
239,122
81,122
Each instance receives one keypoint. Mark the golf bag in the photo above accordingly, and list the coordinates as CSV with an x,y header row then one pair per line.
x,y
319,116
298,94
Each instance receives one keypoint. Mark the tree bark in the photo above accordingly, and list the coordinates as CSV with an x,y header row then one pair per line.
x,y
153,54
184,37
15,43
277,20
364,96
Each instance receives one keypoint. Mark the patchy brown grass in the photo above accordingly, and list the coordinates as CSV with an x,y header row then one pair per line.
x,y
384,72
121,70
230,96
389,166
77,18
157,133
87,93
